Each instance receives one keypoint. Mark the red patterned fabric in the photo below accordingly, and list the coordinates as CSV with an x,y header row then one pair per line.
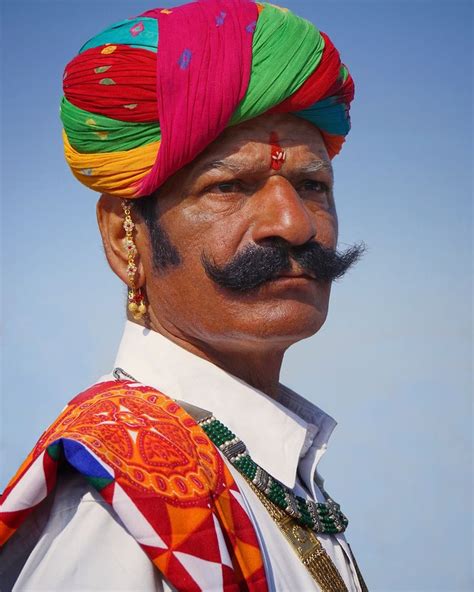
x,y
164,478
88,84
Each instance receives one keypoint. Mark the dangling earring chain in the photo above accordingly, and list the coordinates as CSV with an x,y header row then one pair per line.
x,y
136,300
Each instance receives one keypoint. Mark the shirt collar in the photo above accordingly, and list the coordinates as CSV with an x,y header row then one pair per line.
x,y
277,433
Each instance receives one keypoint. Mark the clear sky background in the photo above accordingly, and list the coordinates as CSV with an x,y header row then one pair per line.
x,y
393,362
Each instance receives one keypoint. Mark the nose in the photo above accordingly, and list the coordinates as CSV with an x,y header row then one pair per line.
x,y
281,213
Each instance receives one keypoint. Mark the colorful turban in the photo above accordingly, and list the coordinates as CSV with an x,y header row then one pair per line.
x,y
147,95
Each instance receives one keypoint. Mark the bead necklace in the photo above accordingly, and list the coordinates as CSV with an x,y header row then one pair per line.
x,y
324,518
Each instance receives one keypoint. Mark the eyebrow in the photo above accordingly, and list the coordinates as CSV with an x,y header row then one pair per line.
x,y
219,164
311,167
317,165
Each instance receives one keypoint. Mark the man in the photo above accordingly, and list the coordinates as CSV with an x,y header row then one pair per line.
x,y
190,466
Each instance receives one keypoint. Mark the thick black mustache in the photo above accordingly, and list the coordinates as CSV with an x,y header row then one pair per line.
x,y
257,264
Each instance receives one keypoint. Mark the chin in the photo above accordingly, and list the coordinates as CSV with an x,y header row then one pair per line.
x,y
285,322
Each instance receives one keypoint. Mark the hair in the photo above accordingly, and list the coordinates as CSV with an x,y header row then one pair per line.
x,y
165,254
259,263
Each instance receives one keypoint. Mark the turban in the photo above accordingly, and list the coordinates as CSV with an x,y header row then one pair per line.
x,y
144,97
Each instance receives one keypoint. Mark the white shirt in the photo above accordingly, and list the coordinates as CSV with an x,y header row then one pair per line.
x,y
76,542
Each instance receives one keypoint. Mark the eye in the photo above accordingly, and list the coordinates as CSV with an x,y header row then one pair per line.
x,y
227,187
312,185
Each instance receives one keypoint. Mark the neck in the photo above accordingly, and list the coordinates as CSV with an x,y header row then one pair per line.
x,y
259,367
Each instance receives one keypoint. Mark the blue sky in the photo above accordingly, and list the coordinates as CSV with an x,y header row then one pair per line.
x,y
392,364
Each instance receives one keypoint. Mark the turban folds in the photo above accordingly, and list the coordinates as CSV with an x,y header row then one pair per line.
x,y
147,95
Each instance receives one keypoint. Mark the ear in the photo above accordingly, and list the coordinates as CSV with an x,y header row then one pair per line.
x,y
110,218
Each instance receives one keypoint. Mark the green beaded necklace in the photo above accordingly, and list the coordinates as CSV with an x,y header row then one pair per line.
x,y
324,518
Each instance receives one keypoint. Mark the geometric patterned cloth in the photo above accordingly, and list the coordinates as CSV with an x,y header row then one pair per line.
x,y
164,478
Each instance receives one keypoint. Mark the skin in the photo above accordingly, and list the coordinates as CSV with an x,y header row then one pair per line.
x,y
223,201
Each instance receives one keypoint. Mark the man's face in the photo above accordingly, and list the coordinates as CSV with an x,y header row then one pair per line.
x,y
230,200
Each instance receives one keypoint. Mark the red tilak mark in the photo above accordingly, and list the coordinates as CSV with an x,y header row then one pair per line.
x,y
277,153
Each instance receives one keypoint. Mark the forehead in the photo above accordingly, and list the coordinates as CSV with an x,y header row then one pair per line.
x,y
289,130
251,139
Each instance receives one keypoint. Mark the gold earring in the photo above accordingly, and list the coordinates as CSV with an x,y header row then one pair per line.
x,y
136,299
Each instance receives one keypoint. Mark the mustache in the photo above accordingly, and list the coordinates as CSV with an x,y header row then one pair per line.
x,y
257,264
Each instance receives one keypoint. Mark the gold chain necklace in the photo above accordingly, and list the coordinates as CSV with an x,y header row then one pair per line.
x,y
307,547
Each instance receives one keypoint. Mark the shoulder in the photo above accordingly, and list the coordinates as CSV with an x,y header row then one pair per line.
x,y
113,408
126,439
138,437
101,418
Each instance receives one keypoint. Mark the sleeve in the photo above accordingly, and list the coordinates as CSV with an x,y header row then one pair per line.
x,y
84,547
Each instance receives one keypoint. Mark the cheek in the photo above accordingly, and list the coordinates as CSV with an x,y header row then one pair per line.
x,y
217,235
326,228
